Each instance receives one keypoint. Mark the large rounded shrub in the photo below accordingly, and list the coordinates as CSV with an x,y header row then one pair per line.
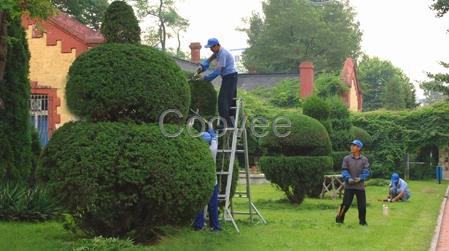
x,y
296,176
318,109
307,137
203,98
125,180
120,82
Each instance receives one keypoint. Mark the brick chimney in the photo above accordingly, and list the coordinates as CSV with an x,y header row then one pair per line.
x,y
306,79
195,52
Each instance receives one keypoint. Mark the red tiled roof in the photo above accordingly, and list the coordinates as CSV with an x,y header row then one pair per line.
x,y
77,29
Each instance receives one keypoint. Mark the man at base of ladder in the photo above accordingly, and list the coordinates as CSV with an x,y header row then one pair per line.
x,y
212,207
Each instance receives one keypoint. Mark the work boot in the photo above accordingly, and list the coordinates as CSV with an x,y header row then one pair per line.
x,y
341,214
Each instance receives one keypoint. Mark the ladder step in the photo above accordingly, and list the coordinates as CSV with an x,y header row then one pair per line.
x,y
229,151
240,212
222,173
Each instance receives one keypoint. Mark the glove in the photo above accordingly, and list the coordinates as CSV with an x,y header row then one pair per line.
x,y
351,181
203,66
357,180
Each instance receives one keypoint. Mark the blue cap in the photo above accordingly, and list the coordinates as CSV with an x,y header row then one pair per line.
x,y
358,143
211,42
394,177
206,137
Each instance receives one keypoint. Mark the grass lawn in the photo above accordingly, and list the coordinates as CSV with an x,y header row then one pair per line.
x,y
310,226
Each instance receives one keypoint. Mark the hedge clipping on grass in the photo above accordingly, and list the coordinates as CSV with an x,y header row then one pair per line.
x,y
123,82
126,180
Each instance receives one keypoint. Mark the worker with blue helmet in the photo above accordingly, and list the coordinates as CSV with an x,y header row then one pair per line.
x,y
398,189
226,69
212,207
355,170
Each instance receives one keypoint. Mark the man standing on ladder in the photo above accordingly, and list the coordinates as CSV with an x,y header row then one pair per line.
x,y
212,206
225,68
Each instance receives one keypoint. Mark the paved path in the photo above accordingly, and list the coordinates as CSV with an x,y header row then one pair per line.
x,y
440,240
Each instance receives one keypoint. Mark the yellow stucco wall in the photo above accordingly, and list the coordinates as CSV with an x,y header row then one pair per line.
x,y
353,101
48,66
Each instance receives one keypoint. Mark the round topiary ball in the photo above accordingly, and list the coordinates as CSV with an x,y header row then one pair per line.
x,y
125,180
122,82
307,137
203,98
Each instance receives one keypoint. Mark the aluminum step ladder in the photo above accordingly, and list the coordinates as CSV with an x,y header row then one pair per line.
x,y
228,151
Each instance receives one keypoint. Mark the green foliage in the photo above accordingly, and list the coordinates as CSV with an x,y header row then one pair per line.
x,y
126,180
441,7
18,202
307,138
377,182
329,85
120,25
438,84
90,12
165,18
292,31
203,98
384,85
120,82
341,124
337,160
318,109
283,94
36,150
15,130
35,8
296,176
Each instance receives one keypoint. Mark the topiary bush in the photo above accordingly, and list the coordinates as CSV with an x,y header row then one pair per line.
x,y
318,109
308,137
341,124
123,82
296,176
120,25
203,98
126,180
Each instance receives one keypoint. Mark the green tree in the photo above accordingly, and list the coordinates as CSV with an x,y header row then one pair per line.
x,y
384,85
167,19
88,12
431,94
120,24
329,85
15,131
292,31
439,82
441,7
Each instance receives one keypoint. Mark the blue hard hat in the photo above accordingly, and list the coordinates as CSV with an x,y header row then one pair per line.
x,y
211,42
358,143
206,137
394,177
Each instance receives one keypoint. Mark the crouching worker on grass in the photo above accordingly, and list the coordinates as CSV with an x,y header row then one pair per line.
x,y
212,206
355,170
398,189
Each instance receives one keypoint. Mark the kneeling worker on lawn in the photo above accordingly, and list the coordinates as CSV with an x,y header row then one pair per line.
x,y
355,170
398,189
212,207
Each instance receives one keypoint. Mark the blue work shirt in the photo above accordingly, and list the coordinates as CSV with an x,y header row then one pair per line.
x,y
225,65
225,60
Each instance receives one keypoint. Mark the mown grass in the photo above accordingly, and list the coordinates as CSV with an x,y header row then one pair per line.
x,y
310,226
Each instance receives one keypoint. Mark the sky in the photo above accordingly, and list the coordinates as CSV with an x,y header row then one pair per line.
x,y
405,32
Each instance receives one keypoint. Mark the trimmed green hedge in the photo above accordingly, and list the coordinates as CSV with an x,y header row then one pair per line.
x,y
308,137
126,180
203,98
296,176
120,25
319,109
123,82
